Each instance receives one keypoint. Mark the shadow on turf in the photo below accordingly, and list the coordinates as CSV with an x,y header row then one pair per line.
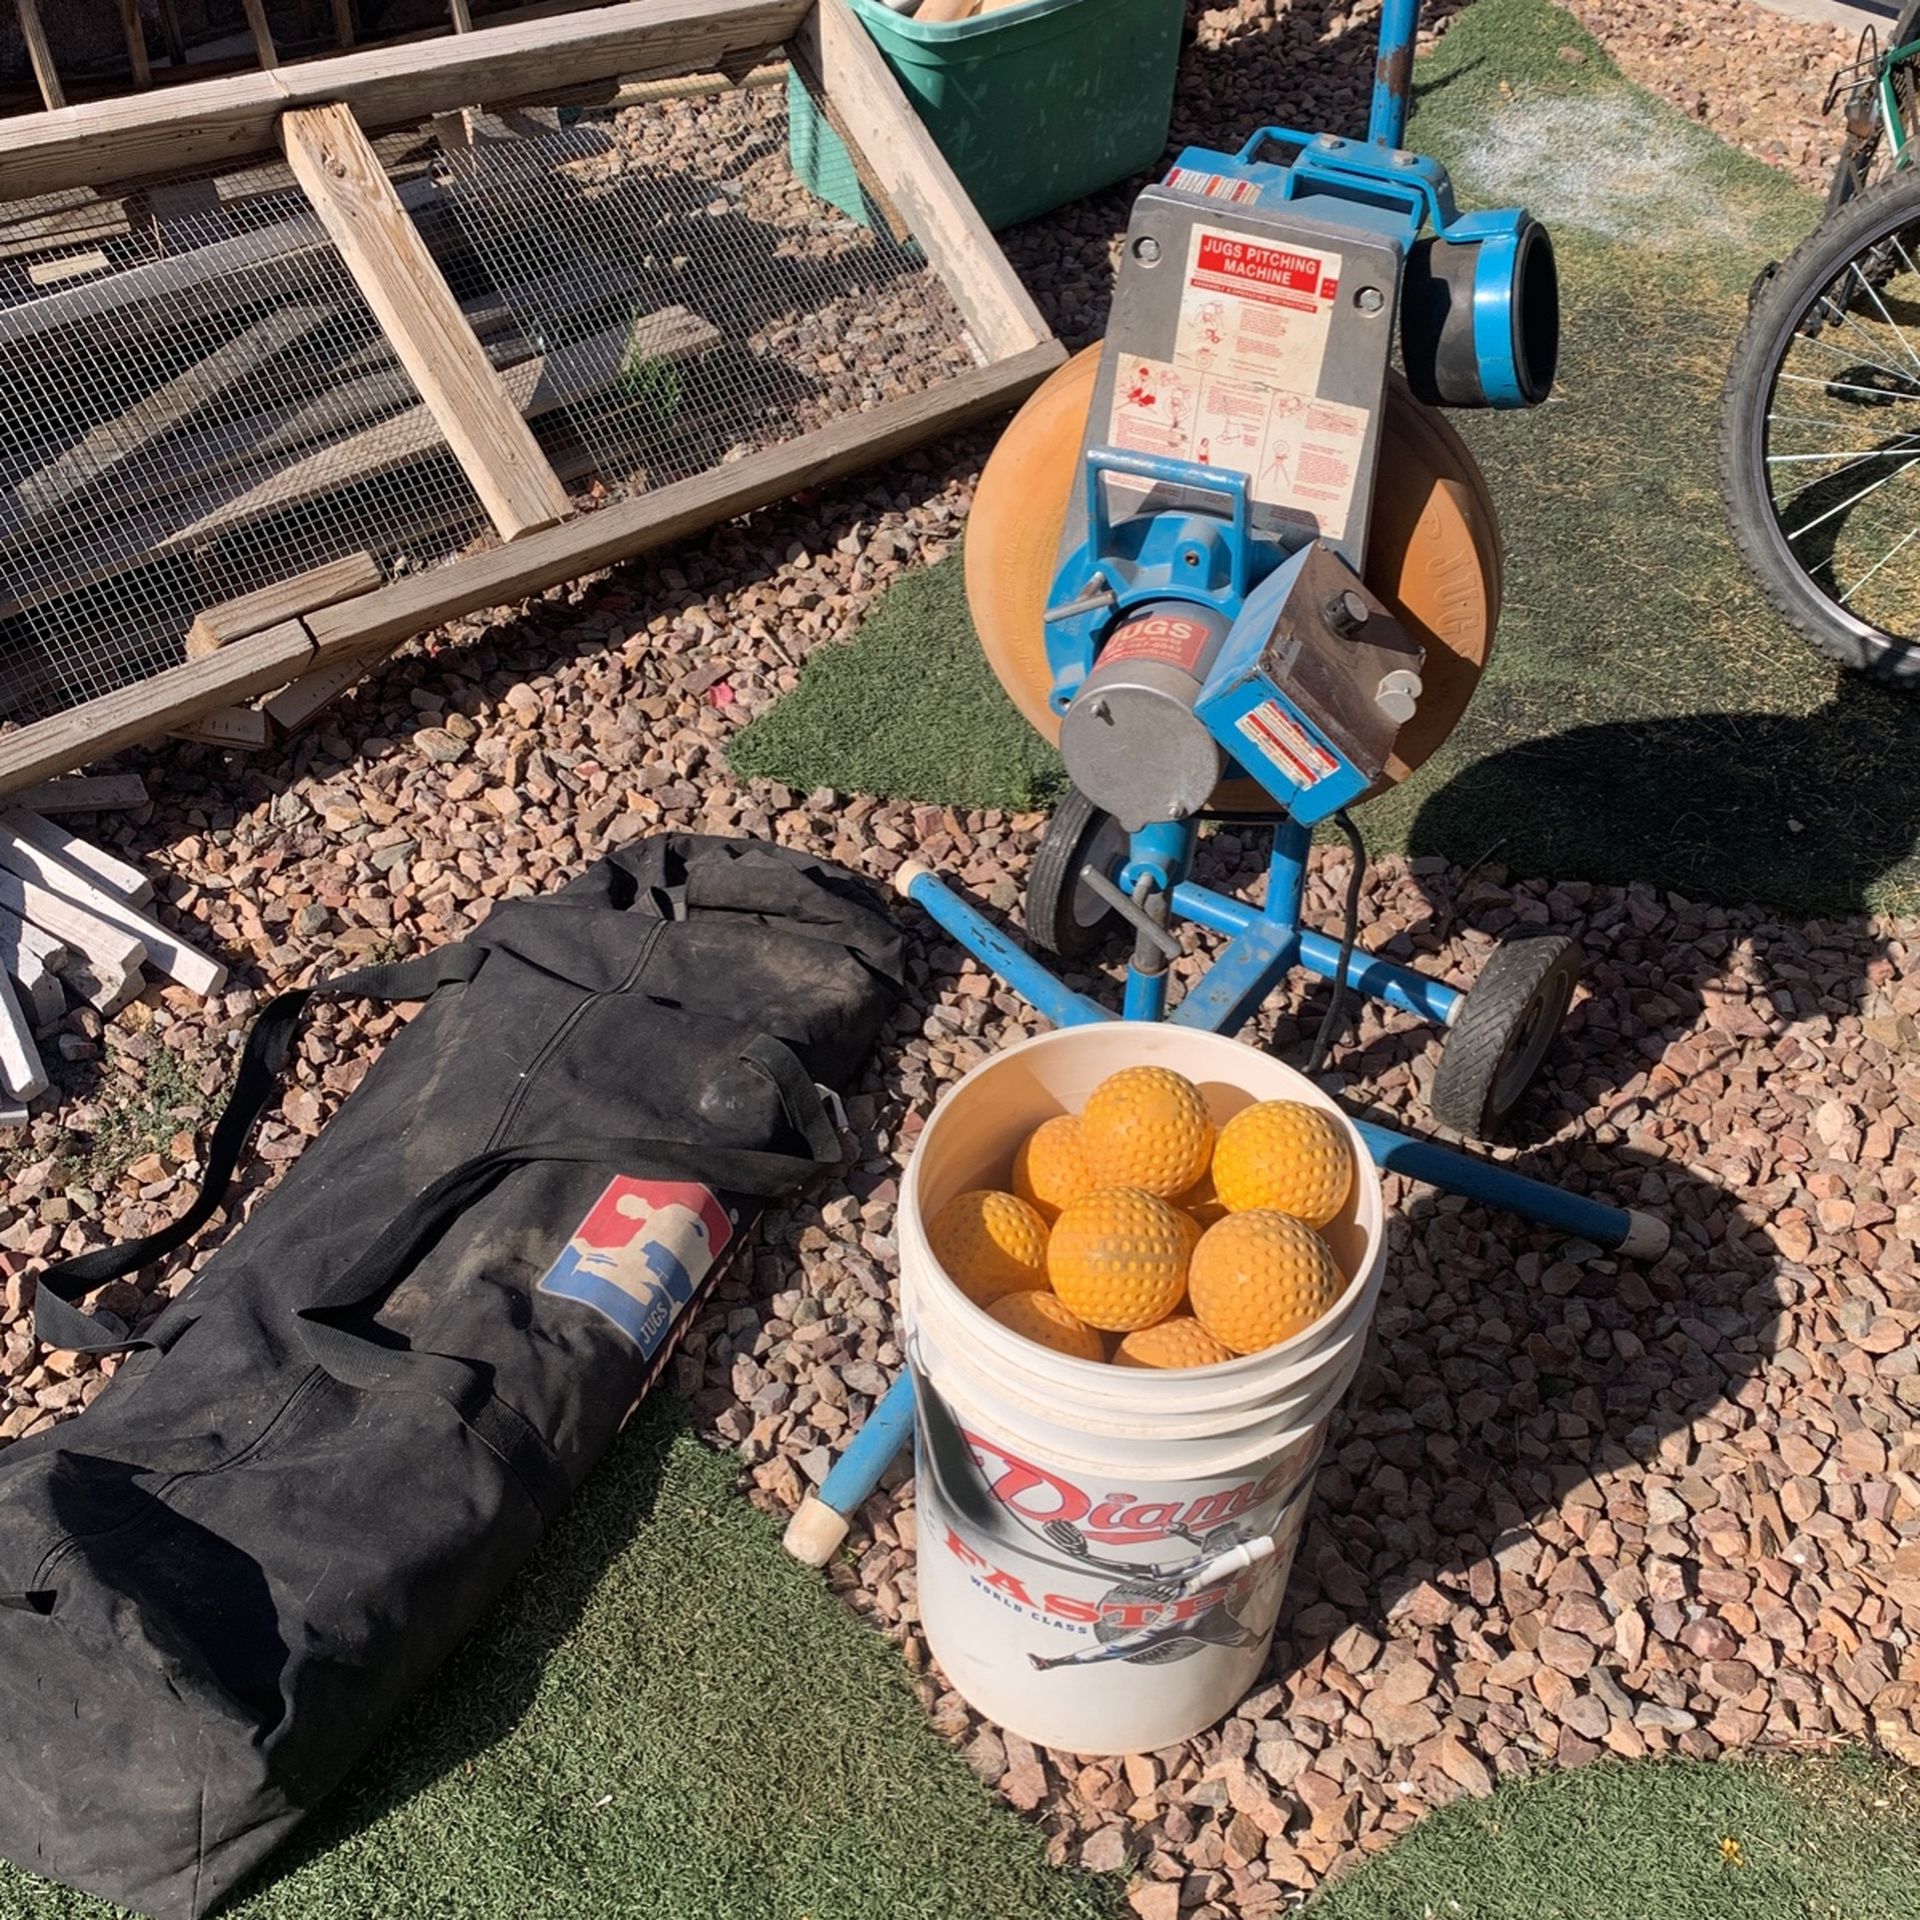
x,y
1502,1378
478,1698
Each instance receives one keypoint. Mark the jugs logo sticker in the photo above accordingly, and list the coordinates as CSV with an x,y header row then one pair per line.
x,y
640,1255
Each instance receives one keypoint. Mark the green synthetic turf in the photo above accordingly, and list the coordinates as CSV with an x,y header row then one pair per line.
x,y
667,1719
1646,717
907,708
1804,1839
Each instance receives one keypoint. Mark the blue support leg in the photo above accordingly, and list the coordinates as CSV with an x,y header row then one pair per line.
x,y
816,1530
1638,1235
996,951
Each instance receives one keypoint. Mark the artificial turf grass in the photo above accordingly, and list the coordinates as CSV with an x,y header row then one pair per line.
x,y
908,708
1821,1839
1646,716
664,1718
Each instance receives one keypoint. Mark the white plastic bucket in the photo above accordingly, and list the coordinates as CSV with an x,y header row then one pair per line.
x,y
1064,1505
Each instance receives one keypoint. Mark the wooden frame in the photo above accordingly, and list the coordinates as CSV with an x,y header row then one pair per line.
x,y
206,122
326,647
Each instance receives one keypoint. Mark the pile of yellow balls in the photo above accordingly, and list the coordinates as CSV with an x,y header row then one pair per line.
x,y
1135,1218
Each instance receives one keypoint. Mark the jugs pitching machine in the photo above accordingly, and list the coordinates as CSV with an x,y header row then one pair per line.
x,y
1236,567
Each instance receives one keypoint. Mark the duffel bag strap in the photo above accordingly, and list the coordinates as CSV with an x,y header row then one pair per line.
x,y
375,1363
57,1321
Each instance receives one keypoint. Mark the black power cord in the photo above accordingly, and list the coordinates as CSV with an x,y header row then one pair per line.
x,y
1349,932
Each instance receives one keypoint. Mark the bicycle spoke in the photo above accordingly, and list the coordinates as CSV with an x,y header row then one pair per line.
x,y
1892,373
1843,386
1865,453
1878,564
1905,345
1798,533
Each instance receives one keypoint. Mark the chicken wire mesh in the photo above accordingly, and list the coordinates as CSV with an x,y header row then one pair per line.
x,y
195,401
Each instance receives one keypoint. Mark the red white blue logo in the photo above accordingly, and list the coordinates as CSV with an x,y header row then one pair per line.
x,y
640,1255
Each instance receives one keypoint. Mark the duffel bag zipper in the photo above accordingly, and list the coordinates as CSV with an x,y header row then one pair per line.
x,y
558,1037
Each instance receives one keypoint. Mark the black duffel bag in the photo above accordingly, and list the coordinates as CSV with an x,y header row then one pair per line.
x,y
320,1464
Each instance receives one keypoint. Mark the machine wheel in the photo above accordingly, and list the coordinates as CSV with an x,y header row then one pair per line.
x,y
1064,916
1507,1022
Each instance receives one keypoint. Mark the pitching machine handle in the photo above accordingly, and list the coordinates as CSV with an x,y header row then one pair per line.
x,y
1221,482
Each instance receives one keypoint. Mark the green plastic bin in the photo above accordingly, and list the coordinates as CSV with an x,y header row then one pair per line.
x,y
1033,105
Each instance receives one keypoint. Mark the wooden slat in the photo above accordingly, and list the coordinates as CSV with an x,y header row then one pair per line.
x,y
163,949
135,35
234,619
21,1074
614,533
166,407
85,793
415,307
639,524
461,18
294,707
170,33
99,866
836,54
243,728
46,76
124,718
182,521
343,22
172,129
110,950
263,48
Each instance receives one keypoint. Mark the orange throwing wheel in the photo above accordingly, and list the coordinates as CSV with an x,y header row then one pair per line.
x,y
1433,555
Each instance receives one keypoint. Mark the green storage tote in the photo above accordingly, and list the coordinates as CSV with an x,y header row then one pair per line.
x,y
1033,105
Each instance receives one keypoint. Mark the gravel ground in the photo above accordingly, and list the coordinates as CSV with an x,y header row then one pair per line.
x,y
1572,1508
1756,77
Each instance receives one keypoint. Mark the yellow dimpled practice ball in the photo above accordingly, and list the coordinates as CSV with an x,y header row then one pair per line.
x,y
1146,1127
1286,1156
1050,1169
1043,1317
1179,1342
1259,1278
990,1244
1118,1258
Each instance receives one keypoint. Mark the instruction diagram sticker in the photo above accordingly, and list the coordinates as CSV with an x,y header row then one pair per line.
x,y
639,1256
1301,456
1256,311
1310,461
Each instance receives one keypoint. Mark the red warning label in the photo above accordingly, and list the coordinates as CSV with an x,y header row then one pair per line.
x,y
1253,310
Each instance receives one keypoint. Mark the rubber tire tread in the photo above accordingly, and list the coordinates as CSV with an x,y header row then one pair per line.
x,y
1054,879
1476,1044
1757,354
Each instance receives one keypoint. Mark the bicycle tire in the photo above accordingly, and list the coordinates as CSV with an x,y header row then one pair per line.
x,y
1778,313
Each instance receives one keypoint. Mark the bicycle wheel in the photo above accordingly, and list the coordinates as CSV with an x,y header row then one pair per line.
x,y
1820,436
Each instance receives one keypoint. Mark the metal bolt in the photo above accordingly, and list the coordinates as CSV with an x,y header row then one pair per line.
x,y
1147,250
1346,613
1101,711
1369,299
1397,695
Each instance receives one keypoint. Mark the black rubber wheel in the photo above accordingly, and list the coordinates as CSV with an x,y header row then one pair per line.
x,y
1815,309
1064,916
1509,1019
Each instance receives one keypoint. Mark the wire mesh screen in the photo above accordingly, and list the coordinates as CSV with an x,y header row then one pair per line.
x,y
694,299
196,402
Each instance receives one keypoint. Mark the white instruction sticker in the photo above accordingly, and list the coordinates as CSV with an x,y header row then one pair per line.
x,y
1257,311
1301,456
1310,461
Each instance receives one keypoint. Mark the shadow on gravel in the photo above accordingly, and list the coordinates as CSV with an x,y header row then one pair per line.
x,y
1506,1380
